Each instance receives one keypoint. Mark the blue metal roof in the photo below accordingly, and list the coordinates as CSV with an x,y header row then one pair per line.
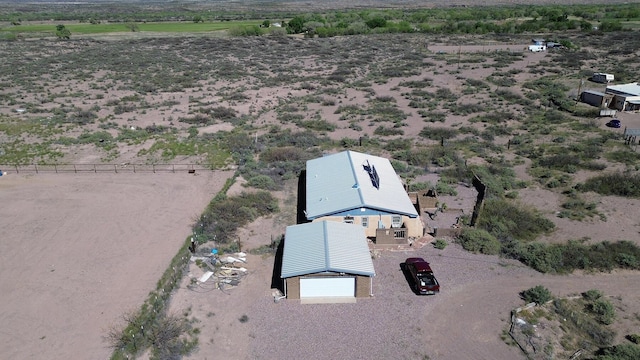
x,y
325,246
353,181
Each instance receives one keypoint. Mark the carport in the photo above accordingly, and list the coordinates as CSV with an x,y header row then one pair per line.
x,y
326,261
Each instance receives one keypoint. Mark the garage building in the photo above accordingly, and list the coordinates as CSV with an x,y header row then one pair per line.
x,y
328,261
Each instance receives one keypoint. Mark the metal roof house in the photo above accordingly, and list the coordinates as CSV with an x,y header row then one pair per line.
x,y
328,260
626,97
360,189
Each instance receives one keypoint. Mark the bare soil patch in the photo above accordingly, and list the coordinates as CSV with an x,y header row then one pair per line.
x,y
78,251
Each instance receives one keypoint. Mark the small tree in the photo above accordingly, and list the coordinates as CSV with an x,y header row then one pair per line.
x,y
376,22
198,19
132,26
296,25
62,32
538,295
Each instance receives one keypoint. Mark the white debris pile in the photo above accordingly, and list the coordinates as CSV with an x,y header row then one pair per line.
x,y
221,272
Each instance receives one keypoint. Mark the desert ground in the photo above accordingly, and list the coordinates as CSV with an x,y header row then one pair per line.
x,y
79,250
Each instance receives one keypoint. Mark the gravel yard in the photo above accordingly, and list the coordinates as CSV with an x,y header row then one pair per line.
x,y
394,324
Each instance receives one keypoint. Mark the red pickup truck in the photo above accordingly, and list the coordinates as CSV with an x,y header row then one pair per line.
x,y
424,282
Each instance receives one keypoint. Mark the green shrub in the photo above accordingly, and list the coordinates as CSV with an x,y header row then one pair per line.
x,y
262,182
440,244
565,258
620,184
634,338
504,219
603,311
438,133
479,241
592,295
287,153
580,323
620,352
224,215
538,294
386,131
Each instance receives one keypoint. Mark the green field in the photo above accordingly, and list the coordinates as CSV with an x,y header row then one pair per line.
x,y
167,27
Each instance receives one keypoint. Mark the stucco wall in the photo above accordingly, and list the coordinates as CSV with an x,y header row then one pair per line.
x,y
363,286
415,227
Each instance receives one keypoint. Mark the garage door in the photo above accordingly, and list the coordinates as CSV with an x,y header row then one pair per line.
x,y
328,287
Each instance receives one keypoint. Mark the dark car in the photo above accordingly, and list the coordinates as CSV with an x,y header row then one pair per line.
x,y
615,123
424,282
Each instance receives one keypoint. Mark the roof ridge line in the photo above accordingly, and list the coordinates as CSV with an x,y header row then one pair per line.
x,y
355,177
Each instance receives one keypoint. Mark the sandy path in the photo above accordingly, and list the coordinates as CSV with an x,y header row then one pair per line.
x,y
78,251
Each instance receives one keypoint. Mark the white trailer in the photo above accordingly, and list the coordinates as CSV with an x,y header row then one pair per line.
x,y
602,77
537,48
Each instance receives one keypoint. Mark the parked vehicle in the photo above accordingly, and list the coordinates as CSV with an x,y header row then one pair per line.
x,y
424,282
537,48
615,123
602,78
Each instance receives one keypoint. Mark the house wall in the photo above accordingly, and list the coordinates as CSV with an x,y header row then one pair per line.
x,y
426,200
593,99
415,227
363,287
621,103
293,287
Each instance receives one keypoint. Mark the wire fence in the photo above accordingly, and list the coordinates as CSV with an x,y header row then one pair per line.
x,y
103,168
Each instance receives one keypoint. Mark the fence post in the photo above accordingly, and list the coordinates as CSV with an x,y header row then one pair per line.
x,y
115,168
17,172
74,169
134,168
153,166
55,167
173,166
36,166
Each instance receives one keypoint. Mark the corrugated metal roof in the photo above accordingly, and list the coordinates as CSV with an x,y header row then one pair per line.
x,y
341,182
632,89
325,246
595,92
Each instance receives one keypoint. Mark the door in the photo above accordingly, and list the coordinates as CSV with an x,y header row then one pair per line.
x,y
328,287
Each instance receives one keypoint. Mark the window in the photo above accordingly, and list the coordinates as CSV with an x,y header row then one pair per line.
x,y
365,222
348,219
396,221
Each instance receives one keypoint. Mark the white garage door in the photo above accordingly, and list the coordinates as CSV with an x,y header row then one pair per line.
x,y
328,287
